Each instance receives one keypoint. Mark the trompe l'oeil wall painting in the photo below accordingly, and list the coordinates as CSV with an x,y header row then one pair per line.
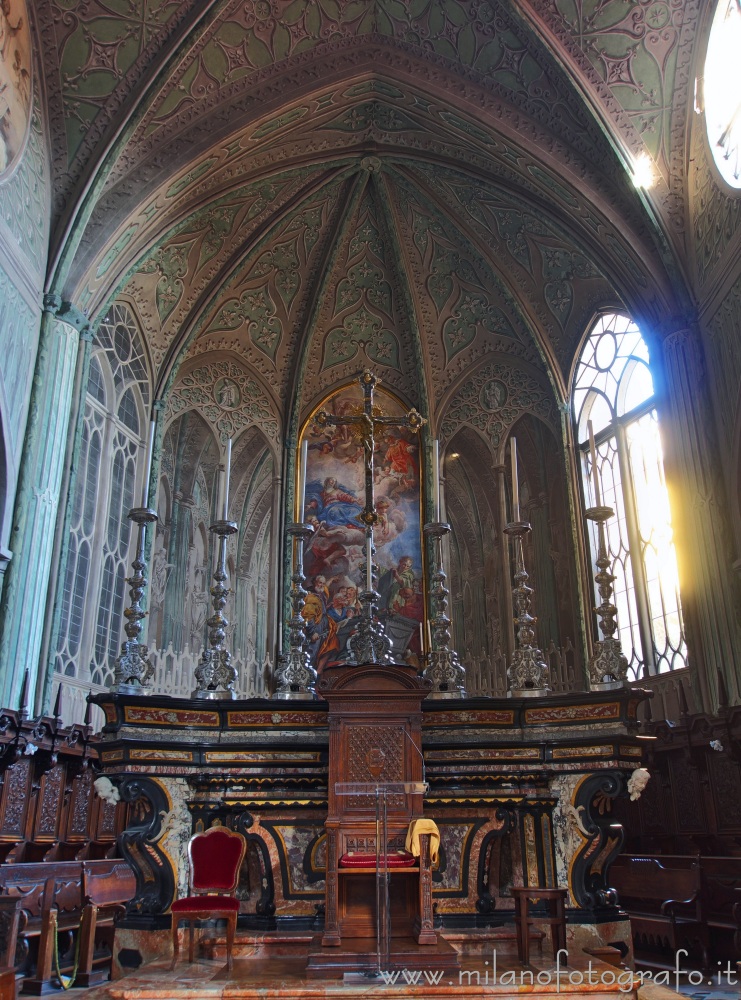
x,y
334,557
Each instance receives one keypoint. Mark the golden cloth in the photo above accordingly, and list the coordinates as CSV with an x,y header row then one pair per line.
x,y
416,828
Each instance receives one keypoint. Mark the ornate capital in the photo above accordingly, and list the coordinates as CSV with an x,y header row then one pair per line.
x,y
68,313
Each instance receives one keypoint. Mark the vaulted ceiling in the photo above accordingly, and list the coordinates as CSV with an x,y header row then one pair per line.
x,y
426,186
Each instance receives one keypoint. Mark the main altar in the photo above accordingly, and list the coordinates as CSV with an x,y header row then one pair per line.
x,y
521,790
367,736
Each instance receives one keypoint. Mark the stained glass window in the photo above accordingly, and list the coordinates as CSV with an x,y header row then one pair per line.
x,y
613,389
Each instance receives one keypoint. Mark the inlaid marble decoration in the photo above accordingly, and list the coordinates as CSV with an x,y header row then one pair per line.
x,y
15,82
335,554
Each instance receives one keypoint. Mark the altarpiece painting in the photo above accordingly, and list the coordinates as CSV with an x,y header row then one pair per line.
x,y
334,558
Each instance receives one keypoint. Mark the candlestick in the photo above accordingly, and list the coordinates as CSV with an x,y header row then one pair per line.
x,y
227,477
368,562
301,480
148,464
443,669
436,478
595,474
515,483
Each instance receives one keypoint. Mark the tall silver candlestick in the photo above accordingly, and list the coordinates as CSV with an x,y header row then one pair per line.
x,y
296,676
444,669
132,668
215,674
608,667
528,674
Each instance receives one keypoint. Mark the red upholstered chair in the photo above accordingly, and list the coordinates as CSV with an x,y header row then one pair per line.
x,y
215,858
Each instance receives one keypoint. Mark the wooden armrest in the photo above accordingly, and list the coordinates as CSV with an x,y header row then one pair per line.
x,y
669,904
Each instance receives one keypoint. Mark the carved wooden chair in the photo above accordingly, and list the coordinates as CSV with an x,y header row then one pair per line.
x,y
215,858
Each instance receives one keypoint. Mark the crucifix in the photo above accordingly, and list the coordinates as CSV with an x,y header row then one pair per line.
x,y
367,422
370,643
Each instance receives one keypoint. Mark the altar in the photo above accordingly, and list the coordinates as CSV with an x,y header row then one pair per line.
x,y
370,736
521,790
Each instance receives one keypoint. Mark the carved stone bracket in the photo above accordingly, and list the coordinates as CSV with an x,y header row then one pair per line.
x,y
604,838
155,878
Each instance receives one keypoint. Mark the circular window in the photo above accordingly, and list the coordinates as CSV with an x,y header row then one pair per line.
x,y
722,95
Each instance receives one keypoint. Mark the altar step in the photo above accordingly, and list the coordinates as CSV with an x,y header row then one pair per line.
x,y
470,943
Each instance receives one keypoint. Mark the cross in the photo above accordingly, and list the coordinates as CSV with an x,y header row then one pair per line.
x,y
367,424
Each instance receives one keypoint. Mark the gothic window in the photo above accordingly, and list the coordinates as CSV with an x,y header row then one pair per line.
x,y
110,458
613,389
722,98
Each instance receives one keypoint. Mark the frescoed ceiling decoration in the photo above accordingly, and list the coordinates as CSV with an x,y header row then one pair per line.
x,y
424,186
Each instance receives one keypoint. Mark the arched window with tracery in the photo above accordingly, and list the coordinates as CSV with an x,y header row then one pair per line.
x,y
111,458
614,389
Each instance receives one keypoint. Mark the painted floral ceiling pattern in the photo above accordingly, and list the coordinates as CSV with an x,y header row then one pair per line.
x,y
418,185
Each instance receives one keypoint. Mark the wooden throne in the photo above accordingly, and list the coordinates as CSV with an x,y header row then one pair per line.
x,y
375,736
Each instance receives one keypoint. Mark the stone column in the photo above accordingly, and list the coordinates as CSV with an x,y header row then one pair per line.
x,y
701,532
37,498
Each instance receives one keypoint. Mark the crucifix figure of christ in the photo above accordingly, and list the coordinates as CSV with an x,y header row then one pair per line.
x,y
366,422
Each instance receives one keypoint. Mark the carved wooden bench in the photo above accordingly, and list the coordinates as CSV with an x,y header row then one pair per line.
x,y
44,904
665,905
104,895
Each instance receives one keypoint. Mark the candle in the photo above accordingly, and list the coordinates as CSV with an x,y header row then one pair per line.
x,y
219,489
595,473
227,477
436,479
515,483
421,638
369,563
148,464
301,480
429,635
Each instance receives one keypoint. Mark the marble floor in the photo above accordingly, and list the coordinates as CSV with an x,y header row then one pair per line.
x,y
285,977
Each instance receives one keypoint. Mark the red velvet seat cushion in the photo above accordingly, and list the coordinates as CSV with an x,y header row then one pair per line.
x,y
398,859
202,904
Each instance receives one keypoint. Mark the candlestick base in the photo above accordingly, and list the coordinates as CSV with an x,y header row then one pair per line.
x,y
133,669
528,673
608,666
296,677
446,675
215,676
369,642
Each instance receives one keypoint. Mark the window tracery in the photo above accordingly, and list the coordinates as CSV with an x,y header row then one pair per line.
x,y
613,389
